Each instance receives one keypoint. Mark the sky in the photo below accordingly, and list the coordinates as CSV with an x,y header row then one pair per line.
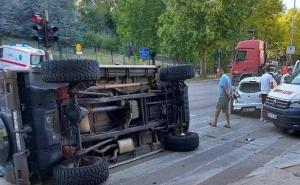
x,y
290,3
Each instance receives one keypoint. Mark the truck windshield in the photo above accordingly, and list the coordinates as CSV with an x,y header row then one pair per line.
x,y
295,78
36,59
241,55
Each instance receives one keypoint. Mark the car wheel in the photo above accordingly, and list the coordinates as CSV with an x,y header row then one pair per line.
x,y
91,171
64,71
182,143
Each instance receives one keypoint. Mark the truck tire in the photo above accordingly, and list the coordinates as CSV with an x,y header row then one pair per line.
x,y
64,71
185,143
94,172
177,73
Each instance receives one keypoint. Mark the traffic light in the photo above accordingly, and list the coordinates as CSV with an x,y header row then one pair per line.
x,y
45,34
39,27
51,34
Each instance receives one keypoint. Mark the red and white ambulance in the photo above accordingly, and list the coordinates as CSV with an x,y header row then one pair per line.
x,y
20,56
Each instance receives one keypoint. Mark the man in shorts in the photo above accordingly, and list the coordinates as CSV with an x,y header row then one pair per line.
x,y
266,83
225,94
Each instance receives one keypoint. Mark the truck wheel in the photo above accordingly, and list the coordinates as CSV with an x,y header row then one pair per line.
x,y
184,143
177,73
63,71
92,171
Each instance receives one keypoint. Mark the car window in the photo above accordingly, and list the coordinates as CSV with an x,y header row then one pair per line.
x,y
241,55
35,59
295,78
249,87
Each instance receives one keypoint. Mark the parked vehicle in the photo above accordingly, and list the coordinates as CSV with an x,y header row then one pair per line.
x,y
82,119
282,106
249,59
20,56
247,96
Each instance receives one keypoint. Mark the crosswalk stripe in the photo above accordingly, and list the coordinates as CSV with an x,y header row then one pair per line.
x,y
289,157
202,173
172,158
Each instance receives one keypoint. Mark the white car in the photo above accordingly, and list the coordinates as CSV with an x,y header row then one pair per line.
x,y
247,96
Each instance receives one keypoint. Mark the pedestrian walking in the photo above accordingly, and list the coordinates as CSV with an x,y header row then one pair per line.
x,y
267,82
225,95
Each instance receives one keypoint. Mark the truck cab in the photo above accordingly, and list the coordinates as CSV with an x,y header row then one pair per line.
x,y
20,56
249,59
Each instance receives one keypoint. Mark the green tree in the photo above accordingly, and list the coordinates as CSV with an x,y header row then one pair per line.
x,y
137,23
267,26
96,15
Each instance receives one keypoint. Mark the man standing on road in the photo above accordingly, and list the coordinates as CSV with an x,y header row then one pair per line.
x,y
266,84
225,94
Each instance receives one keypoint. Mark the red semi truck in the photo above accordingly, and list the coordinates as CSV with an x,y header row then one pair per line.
x,y
249,59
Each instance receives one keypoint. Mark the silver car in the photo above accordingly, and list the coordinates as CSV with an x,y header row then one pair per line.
x,y
247,96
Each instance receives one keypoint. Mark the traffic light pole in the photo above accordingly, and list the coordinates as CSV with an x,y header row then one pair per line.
x,y
47,46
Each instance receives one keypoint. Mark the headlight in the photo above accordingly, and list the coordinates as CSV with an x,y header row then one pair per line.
x,y
295,104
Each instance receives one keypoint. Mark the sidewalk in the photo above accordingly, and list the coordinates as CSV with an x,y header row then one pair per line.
x,y
286,176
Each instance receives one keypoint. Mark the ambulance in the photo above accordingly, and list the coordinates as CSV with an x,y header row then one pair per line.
x,y
22,56
282,106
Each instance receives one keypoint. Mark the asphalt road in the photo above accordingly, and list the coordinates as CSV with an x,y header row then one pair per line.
x,y
224,156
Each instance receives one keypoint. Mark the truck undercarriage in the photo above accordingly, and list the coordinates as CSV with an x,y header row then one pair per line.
x,y
82,119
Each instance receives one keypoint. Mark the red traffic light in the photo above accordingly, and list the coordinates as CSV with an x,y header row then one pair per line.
x,y
37,19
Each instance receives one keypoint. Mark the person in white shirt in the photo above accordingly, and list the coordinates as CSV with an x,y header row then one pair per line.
x,y
286,76
266,83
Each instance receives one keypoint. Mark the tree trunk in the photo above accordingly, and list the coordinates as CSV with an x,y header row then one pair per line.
x,y
60,51
205,64
96,53
112,56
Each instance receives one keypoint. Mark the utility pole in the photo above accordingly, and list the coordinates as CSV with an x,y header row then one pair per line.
x,y
292,33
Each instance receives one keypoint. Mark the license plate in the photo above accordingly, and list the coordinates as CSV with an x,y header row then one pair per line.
x,y
273,116
249,109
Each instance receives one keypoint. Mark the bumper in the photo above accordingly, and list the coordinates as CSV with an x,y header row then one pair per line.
x,y
289,118
239,106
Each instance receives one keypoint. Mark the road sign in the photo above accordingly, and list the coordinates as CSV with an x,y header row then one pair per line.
x,y
144,53
78,48
290,50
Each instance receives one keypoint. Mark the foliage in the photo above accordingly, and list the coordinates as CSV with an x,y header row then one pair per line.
x,y
96,15
137,22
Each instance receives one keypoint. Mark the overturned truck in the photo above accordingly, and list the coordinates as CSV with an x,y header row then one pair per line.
x,y
74,119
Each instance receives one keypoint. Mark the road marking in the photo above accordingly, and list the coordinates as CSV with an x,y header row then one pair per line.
x,y
289,157
154,165
202,173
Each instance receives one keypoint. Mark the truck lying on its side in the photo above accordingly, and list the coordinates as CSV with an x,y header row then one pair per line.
x,y
74,120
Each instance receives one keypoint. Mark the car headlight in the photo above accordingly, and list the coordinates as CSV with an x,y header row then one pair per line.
x,y
295,104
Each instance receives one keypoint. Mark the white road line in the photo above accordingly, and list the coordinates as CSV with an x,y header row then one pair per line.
x,y
202,173
289,157
175,157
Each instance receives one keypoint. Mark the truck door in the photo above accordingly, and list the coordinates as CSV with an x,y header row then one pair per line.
x,y
252,61
241,61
